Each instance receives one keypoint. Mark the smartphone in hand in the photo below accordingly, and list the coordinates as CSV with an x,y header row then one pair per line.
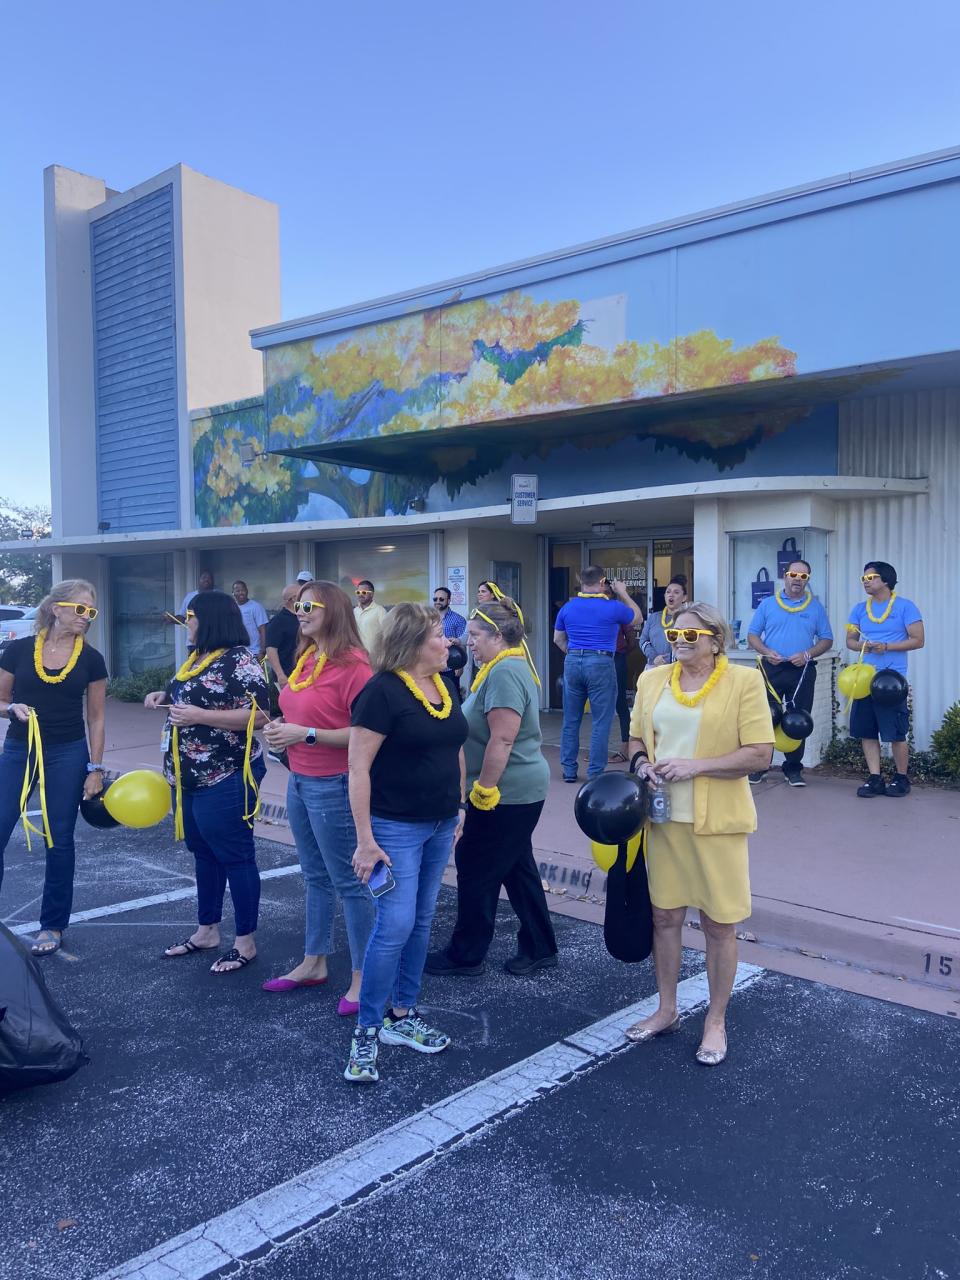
x,y
381,880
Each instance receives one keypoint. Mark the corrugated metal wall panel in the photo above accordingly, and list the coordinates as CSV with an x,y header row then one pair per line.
x,y
136,364
911,435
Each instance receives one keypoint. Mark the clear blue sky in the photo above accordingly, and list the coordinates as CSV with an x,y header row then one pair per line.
x,y
407,143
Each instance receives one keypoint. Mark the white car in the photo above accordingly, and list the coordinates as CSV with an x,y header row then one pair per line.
x,y
16,628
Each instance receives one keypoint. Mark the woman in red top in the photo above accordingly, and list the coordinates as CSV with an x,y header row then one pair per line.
x,y
332,667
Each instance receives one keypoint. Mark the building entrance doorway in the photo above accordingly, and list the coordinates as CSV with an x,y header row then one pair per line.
x,y
645,564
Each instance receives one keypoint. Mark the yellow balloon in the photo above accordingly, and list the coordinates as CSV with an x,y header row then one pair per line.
x,y
605,855
138,799
782,742
865,673
847,680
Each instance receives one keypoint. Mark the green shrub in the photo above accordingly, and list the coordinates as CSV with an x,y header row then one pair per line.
x,y
136,687
946,742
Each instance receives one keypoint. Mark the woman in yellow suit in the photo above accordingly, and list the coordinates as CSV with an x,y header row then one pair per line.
x,y
700,726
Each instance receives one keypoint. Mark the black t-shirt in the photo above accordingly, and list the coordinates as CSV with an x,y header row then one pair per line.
x,y
283,632
415,776
59,707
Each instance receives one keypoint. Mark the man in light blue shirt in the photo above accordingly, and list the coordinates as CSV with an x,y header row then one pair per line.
x,y
254,617
885,626
790,630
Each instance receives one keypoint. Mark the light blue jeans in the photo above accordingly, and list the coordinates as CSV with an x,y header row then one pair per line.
x,y
318,810
397,951
593,676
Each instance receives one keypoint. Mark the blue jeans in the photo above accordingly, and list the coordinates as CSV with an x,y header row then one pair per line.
x,y
593,676
65,770
397,950
318,810
223,849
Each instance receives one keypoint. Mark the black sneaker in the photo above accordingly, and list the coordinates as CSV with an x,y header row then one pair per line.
x,y
795,778
573,779
522,965
900,786
439,964
756,778
872,787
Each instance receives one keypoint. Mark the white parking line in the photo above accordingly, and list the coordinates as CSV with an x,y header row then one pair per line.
x,y
258,1225
138,904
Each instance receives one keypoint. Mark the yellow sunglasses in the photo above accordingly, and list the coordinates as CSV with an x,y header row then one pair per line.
x,y
87,611
868,577
689,635
797,573
308,606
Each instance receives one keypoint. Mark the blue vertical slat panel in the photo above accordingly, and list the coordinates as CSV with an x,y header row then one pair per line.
x,y
134,308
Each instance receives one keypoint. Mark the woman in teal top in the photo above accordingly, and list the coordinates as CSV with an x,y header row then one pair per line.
x,y
508,780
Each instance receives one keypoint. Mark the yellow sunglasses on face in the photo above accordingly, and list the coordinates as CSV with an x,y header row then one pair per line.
x,y
87,611
868,577
689,635
797,573
308,606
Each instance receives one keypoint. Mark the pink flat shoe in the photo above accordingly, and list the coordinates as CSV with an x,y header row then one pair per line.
x,y
347,1008
291,984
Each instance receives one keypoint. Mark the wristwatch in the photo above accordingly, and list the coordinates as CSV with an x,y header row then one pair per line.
x,y
311,738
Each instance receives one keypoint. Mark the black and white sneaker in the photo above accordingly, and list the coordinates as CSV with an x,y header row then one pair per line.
x,y
795,778
756,778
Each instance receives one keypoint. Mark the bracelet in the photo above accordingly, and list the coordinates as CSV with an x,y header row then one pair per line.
x,y
94,768
484,798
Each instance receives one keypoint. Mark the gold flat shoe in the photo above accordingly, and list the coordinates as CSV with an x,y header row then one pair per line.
x,y
639,1034
712,1057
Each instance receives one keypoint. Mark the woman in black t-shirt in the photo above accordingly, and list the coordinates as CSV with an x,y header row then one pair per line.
x,y
406,792
215,765
43,682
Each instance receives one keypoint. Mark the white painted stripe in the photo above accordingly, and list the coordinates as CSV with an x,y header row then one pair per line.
x,y
259,1224
947,928
155,899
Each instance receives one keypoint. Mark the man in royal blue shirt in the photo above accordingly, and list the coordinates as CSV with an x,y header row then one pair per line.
x,y
454,625
790,629
586,630
886,626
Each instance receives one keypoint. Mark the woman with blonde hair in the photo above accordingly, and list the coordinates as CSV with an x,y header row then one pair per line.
x,y
43,684
699,727
407,797
314,727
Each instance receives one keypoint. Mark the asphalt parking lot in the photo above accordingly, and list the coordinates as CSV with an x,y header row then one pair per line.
x,y
825,1147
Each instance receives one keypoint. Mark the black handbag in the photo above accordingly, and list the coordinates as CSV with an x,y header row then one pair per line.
x,y
628,914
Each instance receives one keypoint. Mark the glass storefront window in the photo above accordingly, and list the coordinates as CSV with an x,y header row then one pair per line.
x,y
141,589
261,568
764,553
398,570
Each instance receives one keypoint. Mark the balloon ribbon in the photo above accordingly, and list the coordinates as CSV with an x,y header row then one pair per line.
x,y
34,773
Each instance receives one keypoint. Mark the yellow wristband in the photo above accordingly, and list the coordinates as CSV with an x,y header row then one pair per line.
x,y
484,798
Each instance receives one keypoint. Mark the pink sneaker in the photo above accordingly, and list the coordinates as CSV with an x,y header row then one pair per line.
x,y
291,984
348,1008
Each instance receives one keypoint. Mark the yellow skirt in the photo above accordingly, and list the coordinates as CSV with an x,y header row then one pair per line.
x,y
708,872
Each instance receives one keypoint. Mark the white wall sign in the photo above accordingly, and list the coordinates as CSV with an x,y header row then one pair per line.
x,y
457,584
523,499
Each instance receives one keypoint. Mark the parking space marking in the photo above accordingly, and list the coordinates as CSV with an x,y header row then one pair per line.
x,y
155,899
253,1229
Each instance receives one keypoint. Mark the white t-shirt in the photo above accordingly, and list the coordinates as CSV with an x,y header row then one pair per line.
x,y
254,617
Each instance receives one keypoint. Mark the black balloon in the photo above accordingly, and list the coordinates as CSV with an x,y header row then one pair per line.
x,y
611,808
776,714
888,688
456,657
94,812
796,724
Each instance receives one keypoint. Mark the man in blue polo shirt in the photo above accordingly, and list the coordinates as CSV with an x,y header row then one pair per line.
x,y
586,630
790,629
886,626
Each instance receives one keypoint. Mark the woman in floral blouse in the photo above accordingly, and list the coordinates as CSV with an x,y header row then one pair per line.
x,y
215,765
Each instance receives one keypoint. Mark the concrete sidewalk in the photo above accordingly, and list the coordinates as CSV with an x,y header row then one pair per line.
x,y
875,885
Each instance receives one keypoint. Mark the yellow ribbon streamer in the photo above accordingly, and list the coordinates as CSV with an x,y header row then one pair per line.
x,y
178,833
34,773
498,595
249,781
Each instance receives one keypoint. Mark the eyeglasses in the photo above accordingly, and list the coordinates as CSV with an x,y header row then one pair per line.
x,y
363,591
797,574
81,610
868,577
689,635
308,606
439,599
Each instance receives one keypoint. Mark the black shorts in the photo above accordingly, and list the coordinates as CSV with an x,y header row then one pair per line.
x,y
886,724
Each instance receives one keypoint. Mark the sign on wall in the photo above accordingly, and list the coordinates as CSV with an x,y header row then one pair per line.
x,y
523,499
457,584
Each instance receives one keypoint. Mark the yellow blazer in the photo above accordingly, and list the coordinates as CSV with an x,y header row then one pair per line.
x,y
735,714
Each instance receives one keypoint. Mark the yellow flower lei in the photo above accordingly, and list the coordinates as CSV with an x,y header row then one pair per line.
x,y
487,667
663,618
421,697
794,608
188,671
886,613
592,595
691,699
38,659
294,682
